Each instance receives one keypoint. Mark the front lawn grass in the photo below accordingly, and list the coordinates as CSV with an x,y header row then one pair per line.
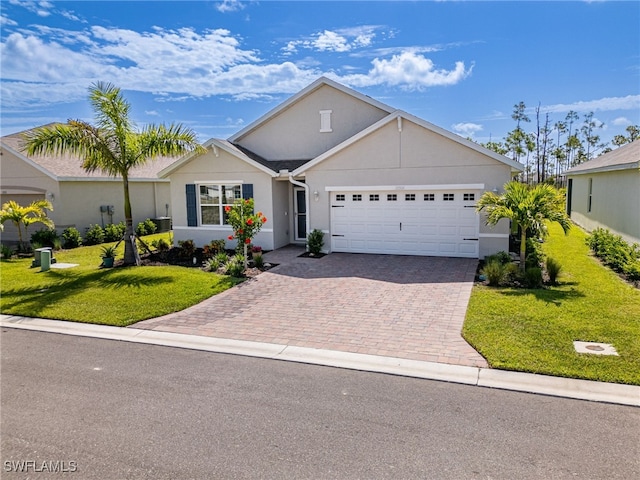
x,y
533,330
110,296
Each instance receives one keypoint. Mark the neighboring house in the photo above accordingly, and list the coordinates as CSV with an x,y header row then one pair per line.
x,y
78,198
605,192
374,179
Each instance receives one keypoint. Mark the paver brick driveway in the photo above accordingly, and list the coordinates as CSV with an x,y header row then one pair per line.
x,y
397,306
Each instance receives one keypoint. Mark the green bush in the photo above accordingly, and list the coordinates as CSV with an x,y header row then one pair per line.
x,y
114,232
187,248
534,254
213,248
553,269
94,235
235,266
533,277
614,251
161,245
494,271
315,241
45,237
632,271
148,227
71,238
502,257
5,252
258,260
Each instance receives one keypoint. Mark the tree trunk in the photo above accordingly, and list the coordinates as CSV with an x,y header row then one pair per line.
x,y
130,249
523,247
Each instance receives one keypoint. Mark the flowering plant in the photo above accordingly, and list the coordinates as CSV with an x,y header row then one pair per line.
x,y
244,222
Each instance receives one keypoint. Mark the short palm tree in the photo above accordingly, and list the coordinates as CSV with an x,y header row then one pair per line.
x,y
35,212
529,207
113,145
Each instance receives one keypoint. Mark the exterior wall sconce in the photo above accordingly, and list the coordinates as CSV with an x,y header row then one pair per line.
x,y
51,196
316,195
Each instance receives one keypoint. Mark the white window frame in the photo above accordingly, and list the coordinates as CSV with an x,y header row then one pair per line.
x,y
220,205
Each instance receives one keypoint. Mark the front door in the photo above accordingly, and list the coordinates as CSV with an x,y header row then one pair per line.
x,y
300,214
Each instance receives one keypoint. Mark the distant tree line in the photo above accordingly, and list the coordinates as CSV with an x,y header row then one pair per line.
x,y
552,148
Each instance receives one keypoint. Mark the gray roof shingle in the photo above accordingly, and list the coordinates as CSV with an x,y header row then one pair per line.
x,y
622,158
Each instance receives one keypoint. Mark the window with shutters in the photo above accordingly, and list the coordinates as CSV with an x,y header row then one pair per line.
x,y
212,200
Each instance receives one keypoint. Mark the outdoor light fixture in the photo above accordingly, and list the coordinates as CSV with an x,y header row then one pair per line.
x,y
316,195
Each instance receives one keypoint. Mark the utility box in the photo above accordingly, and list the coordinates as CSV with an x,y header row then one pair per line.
x,y
163,224
37,256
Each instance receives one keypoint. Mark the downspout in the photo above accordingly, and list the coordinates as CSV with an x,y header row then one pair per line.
x,y
306,202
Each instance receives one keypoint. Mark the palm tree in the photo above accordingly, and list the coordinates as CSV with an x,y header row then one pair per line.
x,y
113,145
20,215
529,207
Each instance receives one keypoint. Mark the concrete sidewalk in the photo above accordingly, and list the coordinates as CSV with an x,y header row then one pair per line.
x,y
478,376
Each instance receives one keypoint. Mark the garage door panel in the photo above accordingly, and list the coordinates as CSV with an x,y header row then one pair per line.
x,y
415,223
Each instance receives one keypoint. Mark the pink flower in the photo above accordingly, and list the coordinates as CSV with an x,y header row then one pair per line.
x,y
230,237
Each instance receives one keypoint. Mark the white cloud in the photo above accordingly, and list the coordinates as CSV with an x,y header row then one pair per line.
x,y
630,102
339,40
410,71
466,129
227,6
621,122
6,21
153,113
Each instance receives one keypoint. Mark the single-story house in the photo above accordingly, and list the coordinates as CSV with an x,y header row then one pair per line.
x,y
374,179
79,199
605,192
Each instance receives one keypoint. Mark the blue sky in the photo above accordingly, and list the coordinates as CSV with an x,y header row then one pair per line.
x,y
216,66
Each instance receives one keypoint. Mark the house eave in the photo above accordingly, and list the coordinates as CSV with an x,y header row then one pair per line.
x,y
610,168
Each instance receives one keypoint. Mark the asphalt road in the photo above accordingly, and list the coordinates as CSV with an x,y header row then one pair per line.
x,y
105,409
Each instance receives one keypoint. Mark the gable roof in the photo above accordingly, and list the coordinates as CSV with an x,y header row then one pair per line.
x,y
397,116
214,144
626,157
320,82
69,167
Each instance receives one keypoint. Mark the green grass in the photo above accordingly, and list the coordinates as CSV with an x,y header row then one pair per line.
x,y
110,296
533,330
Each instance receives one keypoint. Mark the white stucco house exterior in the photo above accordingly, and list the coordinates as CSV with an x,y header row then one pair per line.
x,y
374,179
79,199
605,192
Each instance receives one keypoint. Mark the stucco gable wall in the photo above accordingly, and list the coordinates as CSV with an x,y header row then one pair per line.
x,y
414,156
223,168
294,134
615,203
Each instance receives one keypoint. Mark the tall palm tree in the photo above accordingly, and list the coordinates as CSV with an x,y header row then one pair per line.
x,y
529,207
35,212
113,145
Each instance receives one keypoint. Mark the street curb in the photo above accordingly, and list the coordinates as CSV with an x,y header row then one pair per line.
x,y
482,377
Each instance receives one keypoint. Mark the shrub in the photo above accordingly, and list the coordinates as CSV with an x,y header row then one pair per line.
x,y
147,227
534,253
187,248
502,257
71,238
143,246
315,241
57,243
235,266
495,272
213,248
553,269
114,232
45,237
258,260
213,264
161,245
5,251
533,277
613,250
94,235
632,271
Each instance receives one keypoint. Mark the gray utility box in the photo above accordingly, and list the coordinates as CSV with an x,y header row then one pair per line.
x,y
163,224
37,256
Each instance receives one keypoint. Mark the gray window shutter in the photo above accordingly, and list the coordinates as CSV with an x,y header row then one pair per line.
x,y
247,190
192,205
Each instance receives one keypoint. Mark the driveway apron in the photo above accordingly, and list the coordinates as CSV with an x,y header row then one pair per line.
x,y
389,305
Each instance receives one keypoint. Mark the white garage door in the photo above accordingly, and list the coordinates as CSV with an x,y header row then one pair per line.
x,y
422,222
